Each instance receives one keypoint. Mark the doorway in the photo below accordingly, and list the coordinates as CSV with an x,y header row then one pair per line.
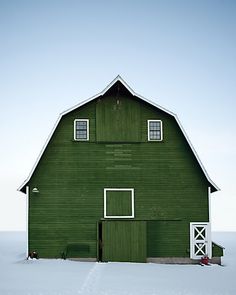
x,y
122,241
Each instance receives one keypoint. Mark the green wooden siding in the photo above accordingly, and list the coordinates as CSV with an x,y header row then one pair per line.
x,y
124,241
118,203
71,177
168,238
118,120
217,251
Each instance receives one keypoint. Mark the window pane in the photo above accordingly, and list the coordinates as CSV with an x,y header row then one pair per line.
x,y
154,126
81,130
155,135
81,124
154,130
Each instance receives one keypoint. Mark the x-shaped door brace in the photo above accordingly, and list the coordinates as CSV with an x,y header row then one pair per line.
x,y
200,249
200,234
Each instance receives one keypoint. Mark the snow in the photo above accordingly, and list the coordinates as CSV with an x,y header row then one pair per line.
x,y
63,277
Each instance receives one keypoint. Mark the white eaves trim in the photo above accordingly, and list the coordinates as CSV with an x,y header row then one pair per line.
x,y
118,78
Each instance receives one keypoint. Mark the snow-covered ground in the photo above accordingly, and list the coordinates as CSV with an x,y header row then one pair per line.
x,y
59,277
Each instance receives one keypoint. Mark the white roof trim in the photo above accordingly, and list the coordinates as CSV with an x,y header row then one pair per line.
x,y
218,245
118,78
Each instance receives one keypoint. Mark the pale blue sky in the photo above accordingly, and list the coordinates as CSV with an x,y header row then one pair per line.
x,y
179,54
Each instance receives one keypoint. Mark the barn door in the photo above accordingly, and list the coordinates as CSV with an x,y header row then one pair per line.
x,y
124,241
200,243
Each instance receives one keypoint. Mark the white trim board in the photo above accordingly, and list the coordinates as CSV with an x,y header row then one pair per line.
x,y
118,189
118,78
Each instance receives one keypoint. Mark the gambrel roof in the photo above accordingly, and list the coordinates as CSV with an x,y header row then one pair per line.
x,y
119,79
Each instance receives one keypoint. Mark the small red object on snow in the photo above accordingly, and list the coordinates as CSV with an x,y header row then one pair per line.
x,y
205,260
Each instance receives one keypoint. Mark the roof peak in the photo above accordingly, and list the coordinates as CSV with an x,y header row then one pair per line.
x,y
120,79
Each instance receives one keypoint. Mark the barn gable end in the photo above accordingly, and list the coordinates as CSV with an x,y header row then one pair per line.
x,y
113,165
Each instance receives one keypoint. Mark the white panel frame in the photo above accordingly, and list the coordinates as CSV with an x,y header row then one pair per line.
x,y
208,242
149,139
119,189
87,125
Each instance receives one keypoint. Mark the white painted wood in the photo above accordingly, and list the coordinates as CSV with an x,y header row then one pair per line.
x,y
200,240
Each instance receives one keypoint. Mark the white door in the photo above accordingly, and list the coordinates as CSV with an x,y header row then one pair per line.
x,y
200,242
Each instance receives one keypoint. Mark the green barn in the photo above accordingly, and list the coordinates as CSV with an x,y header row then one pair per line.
x,y
119,180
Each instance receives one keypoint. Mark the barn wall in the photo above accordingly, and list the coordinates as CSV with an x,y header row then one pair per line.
x,y
118,120
174,237
167,180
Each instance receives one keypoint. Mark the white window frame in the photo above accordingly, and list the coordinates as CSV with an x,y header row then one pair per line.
x,y
87,125
208,243
118,189
161,130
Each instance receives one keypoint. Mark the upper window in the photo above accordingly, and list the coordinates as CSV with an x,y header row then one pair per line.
x,y
81,129
155,130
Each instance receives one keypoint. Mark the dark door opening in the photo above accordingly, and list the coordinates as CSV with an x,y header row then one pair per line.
x,y
100,242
